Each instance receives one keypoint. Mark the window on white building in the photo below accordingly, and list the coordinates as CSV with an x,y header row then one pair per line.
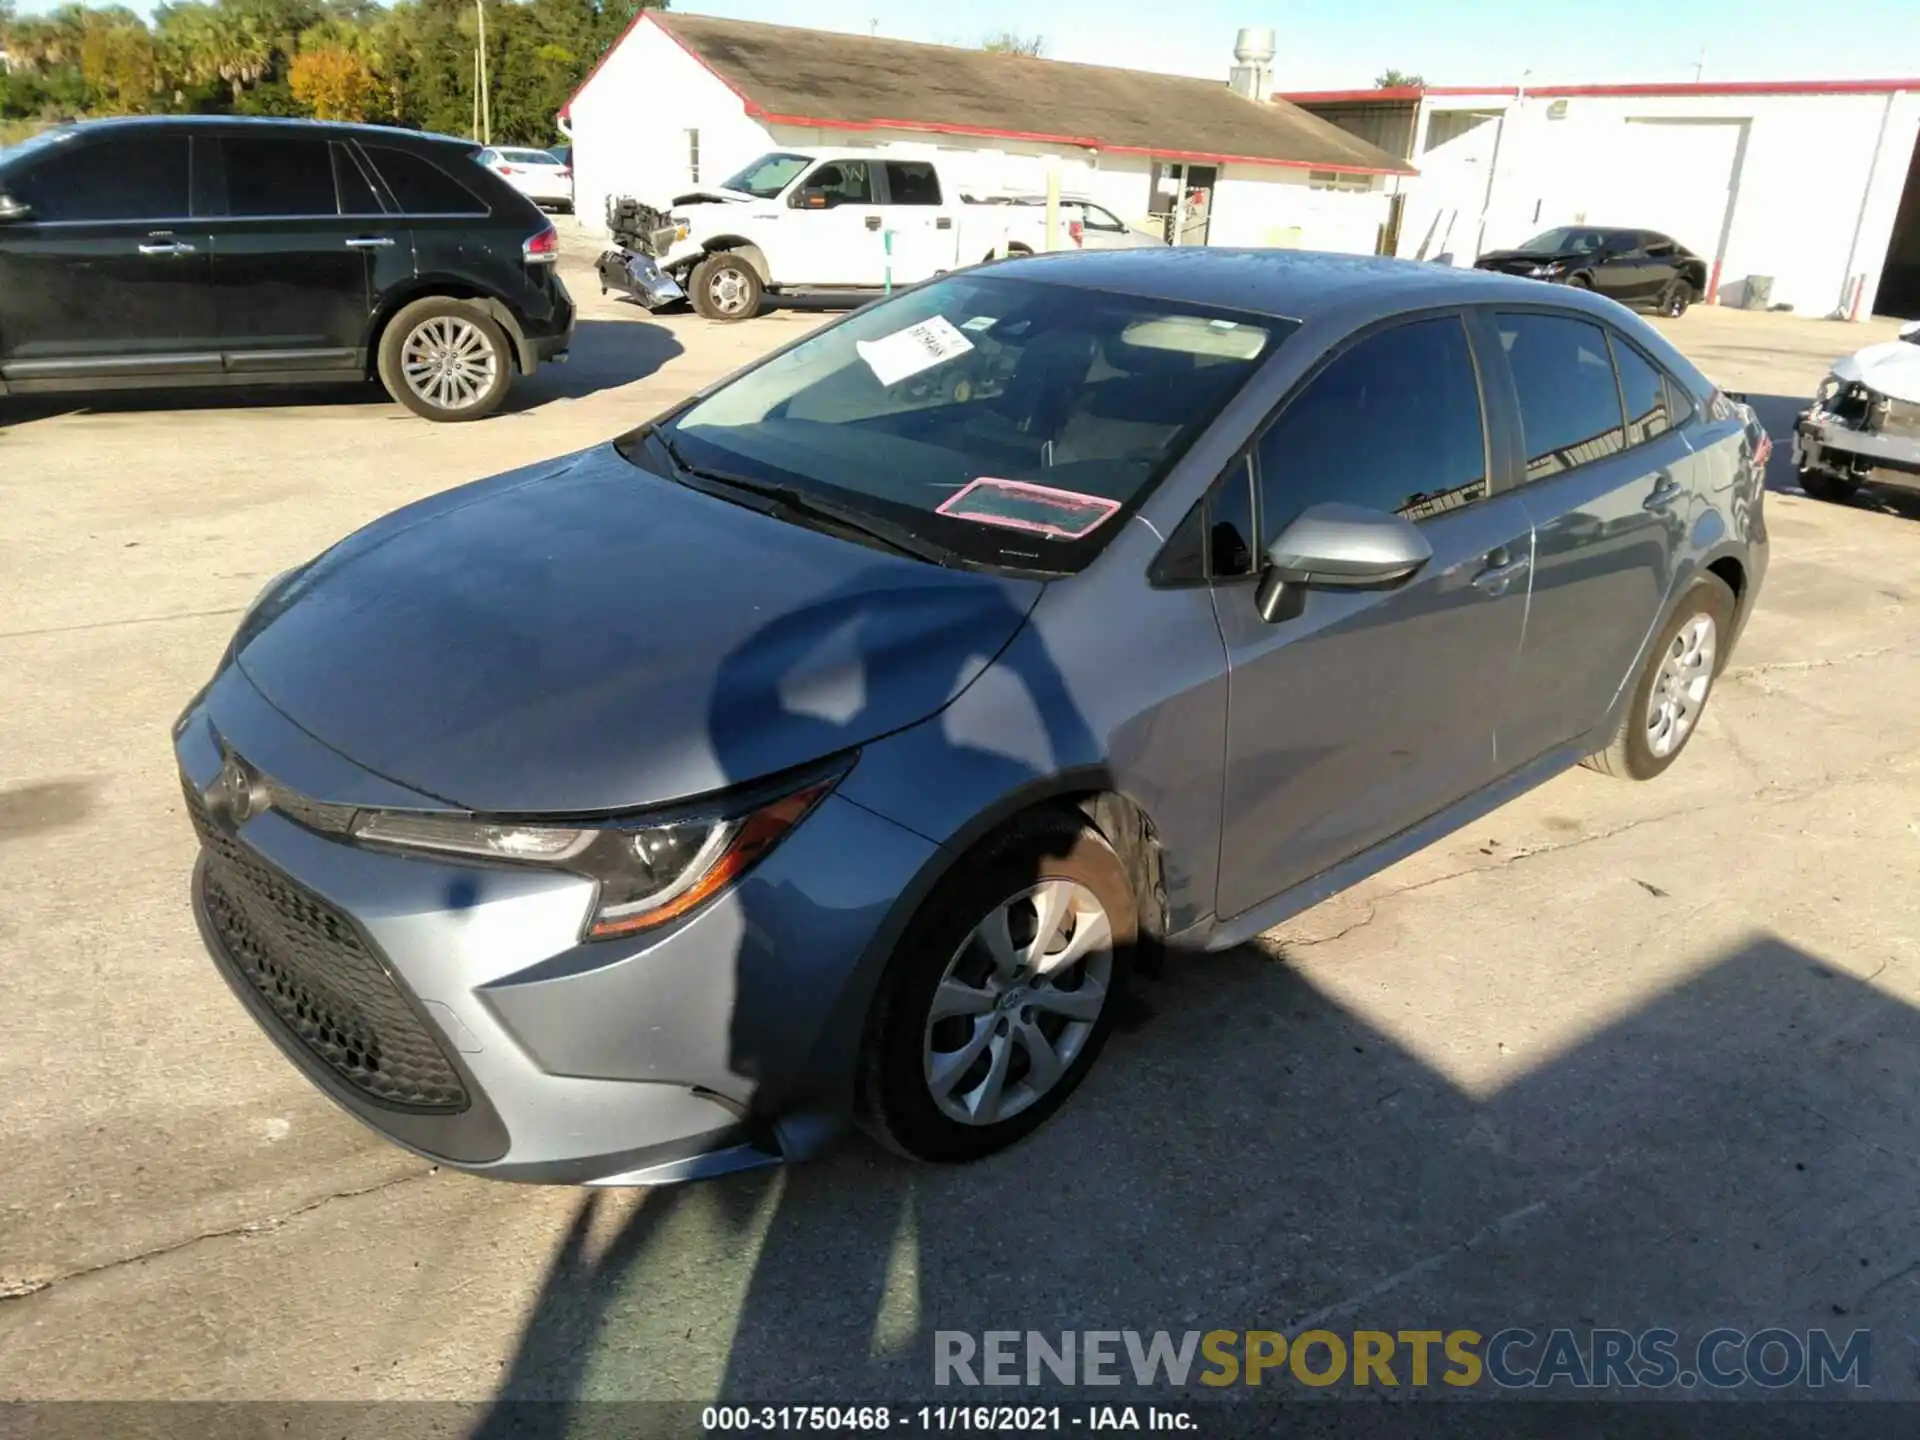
x,y
1338,180
693,157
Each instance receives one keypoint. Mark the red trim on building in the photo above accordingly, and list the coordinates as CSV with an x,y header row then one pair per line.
x,y
1085,142
1674,90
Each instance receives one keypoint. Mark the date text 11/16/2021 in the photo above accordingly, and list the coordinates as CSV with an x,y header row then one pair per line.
x,y
941,1419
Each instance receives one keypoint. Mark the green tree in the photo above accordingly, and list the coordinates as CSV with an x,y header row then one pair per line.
x,y
1399,80
1007,42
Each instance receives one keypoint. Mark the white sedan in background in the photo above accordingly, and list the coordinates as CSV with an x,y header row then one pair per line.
x,y
1083,225
540,175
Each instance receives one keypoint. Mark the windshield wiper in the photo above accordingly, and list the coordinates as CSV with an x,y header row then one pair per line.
x,y
794,502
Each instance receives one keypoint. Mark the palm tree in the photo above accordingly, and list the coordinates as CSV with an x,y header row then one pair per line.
x,y
203,44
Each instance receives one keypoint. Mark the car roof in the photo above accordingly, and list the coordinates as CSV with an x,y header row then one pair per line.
x,y
1291,284
243,123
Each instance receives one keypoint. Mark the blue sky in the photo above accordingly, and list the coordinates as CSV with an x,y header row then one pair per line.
x,y
1325,44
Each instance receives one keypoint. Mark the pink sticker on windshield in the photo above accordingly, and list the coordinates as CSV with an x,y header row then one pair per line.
x,y
1063,514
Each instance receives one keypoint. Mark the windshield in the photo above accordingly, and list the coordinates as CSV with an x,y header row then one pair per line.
x,y
1566,240
1011,422
767,176
33,143
530,157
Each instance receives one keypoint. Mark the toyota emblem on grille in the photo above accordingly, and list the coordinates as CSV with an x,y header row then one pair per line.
x,y
233,796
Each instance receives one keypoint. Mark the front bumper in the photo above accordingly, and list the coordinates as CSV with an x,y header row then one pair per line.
x,y
639,276
453,1008
1825,442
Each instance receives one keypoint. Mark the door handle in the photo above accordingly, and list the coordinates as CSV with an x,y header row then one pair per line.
x,y
1663,494
873,222
945,222
370,242
1501,572
168,247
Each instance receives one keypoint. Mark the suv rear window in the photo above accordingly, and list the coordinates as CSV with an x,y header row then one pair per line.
x,y
121,177
420,186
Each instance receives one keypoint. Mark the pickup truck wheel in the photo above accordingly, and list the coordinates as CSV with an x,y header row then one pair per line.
x,y
1673,685
445,359
1825,485
1675,299
725,287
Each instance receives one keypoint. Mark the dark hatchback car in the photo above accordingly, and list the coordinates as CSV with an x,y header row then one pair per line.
x,y
1640,268
186,251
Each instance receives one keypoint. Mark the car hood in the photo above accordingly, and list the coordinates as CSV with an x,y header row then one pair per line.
x,y
1891,369
587,636
714,196
1506,258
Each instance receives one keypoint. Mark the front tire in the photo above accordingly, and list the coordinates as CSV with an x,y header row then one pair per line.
x,y
1675,299
726,287
1000,995
445,360
1664,710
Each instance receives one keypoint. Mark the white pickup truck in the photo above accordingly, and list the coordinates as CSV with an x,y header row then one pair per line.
x,y
817,220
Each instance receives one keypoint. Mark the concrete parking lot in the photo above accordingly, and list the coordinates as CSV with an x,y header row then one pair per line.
x,y
1619,1055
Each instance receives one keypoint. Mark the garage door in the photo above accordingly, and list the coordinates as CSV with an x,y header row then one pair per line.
x,y
1676,176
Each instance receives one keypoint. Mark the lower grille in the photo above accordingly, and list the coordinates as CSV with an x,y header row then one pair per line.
x,y
322,981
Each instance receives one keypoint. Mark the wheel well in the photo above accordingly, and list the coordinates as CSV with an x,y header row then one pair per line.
x,y
448,289
746,250
1729,570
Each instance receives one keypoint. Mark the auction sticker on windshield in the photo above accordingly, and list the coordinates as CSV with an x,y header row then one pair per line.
x,y
892,358
1062,514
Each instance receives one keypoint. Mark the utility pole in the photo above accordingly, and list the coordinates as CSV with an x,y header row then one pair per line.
x,y
1700,65
476,92
486,107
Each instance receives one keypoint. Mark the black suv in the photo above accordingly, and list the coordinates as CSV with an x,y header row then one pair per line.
x,y
187,251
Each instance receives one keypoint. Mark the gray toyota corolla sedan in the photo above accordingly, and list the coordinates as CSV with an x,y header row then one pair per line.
x,y
834,744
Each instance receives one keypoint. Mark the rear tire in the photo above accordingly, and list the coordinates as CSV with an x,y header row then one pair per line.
x,y
1825,485
1675,299
725,287
1675,682
983,1026
445,359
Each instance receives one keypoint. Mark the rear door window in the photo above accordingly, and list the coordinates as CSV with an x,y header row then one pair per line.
x,y
357,195
1392,424
122,177
420,186
912,183
1644,388
1569,400
276,177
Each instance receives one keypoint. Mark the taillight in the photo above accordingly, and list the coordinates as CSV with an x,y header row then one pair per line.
x,y
1076,231
506,170
543,248
566,172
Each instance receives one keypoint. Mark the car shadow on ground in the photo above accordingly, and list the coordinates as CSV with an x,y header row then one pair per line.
x,y
606,354
1257,1156
1777,414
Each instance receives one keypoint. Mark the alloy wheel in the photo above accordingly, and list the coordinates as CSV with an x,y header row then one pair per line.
x,y
449,362
1680,689
728,290
1018,1002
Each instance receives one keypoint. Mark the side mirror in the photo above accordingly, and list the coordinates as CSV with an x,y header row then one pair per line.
x,y
1339,546
812,197
12,209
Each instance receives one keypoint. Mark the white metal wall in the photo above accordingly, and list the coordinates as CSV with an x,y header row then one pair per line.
x,y
1800,188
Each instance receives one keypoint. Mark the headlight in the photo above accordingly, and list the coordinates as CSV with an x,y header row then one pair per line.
x,y
648,872
1556,268
1829,388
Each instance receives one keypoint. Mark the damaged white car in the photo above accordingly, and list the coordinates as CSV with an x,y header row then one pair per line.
x,y
1863,427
